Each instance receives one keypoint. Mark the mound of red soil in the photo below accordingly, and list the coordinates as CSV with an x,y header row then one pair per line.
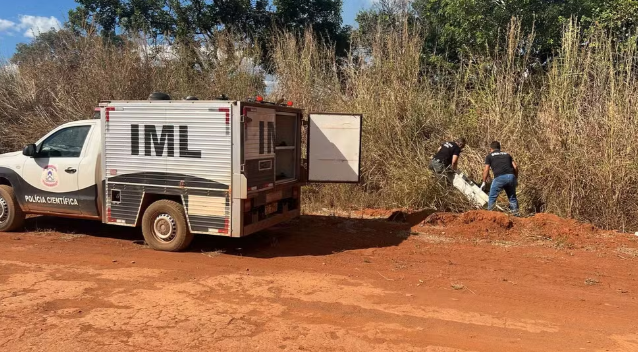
x,y
553,226
471,224
483,224
411,218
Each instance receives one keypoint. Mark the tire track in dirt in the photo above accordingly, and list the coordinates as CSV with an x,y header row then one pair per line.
x,y
185,314
320,286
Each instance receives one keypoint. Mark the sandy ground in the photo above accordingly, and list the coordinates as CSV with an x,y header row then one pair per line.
x,y
322,284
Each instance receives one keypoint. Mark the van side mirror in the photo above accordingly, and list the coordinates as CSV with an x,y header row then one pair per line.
x,y
29,150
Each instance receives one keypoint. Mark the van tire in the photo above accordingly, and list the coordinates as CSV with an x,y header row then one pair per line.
x,y
11,215
165,227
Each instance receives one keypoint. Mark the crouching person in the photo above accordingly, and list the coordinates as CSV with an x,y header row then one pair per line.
x,y
446,159
505,176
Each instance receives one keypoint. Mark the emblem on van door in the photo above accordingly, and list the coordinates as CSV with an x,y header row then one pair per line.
x,y
50,176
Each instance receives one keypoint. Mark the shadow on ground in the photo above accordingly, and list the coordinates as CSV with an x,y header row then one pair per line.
x,y
309,235
48,224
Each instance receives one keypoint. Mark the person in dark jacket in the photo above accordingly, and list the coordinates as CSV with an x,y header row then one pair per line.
x,y
505,176
447,157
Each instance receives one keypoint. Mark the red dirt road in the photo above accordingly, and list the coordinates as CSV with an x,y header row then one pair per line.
x,y
322,284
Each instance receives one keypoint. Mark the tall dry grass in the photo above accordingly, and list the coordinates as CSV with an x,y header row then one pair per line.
x,y
65,86
569,124
587,124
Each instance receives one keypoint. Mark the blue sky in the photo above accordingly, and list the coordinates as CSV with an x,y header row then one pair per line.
x,y
20,20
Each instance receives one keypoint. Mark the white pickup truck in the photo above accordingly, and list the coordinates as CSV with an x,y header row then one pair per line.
x,y
177,168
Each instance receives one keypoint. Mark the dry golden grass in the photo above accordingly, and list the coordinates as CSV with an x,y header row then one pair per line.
x,y
569,124
45,93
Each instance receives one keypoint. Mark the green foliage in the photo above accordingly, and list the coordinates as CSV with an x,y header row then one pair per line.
x,y
172,18
322,16
191,21
459,28
462,29
620,17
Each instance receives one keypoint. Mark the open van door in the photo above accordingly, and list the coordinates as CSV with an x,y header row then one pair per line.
x,y
334,147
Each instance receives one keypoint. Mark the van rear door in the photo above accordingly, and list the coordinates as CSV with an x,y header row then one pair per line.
x,y
259,148
334,147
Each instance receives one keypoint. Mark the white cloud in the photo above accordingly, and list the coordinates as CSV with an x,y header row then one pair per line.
x,y
6,25
30,26
35,25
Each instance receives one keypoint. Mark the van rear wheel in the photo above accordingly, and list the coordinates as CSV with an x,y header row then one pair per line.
x,y
165,228
11,215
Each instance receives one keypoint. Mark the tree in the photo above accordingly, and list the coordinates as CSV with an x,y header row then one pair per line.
x,y
620,17
323,16
458,27
190,21
384,16
171,18
47,46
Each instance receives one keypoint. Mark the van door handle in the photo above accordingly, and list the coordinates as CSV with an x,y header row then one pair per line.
x,y
70,170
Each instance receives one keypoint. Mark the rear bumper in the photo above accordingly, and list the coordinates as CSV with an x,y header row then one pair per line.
x,y
272,221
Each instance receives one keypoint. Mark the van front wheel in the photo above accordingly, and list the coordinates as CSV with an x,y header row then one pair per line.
x,y
11,215
165,228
